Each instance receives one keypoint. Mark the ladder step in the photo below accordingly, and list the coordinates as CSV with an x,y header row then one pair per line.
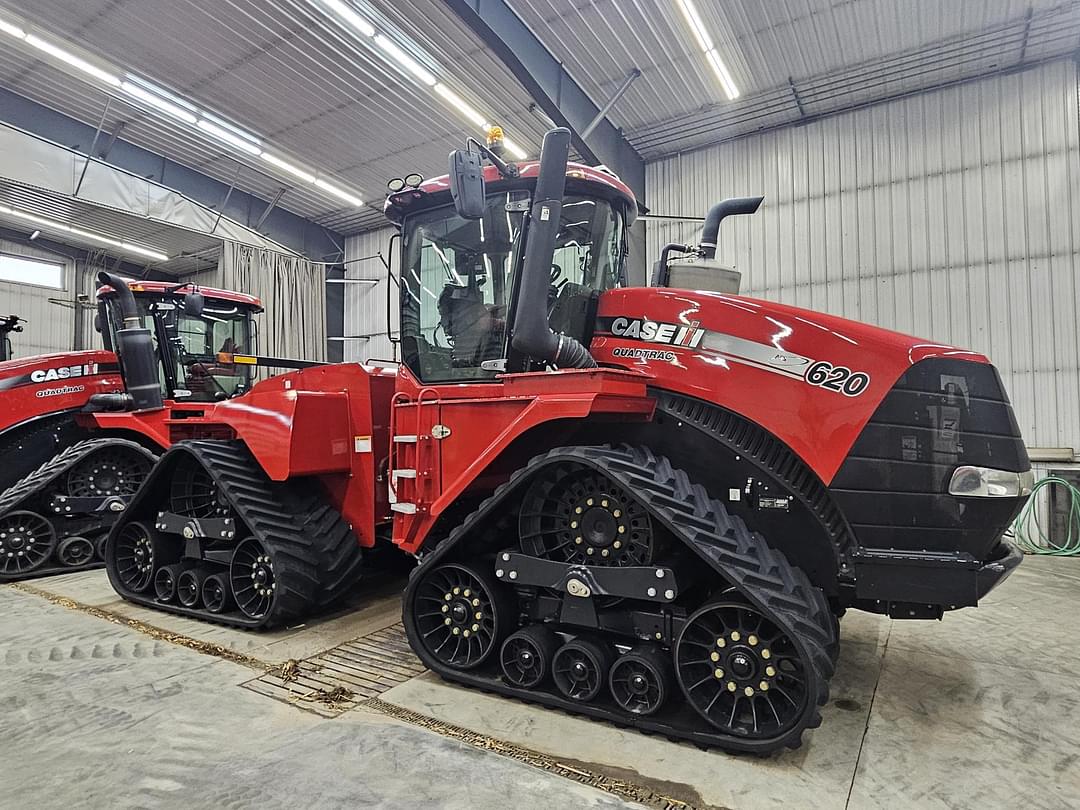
x,y
405,438
404,508
404,473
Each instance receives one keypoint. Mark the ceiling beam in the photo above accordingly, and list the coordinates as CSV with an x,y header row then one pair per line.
x,y
553,88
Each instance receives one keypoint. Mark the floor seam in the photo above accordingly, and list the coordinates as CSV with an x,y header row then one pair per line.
x,y
869,714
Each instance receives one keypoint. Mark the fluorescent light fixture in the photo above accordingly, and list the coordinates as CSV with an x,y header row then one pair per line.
x,y
405,60
11,28
337,192
235,130
348,13
73,60
514,149
712,56
52,225
690,12
459,104
307,177
229,138
722,74
161,91
156,101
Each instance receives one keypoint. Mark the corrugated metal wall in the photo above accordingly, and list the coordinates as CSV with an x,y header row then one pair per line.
x,y
365,304
50,327
952,215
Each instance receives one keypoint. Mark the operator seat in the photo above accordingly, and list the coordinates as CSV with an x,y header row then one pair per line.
x,y
474,331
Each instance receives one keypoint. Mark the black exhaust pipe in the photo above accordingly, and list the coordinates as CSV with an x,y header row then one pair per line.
x,y
736,205
532,333
135,347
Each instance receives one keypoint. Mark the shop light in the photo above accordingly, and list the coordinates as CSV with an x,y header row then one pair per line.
x,y
459,104
329,188
76,62
158,102
52,225
712,56
306,176
348,13
12,29
229,138
405,60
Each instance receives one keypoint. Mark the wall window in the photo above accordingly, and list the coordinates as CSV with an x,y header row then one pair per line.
x,y
22,270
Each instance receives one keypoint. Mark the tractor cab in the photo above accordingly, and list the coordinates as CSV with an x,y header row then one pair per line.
x,y
194,333
8,324
461,270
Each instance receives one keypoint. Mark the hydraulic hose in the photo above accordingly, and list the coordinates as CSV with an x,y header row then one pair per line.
x,y
1029,533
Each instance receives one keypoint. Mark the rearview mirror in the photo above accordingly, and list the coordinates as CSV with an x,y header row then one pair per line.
x,y
194,304
467,183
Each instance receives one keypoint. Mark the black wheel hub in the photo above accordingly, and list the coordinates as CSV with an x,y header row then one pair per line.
x,y
134,557
27,540
740,671
112,472
581,517
457,615
252,578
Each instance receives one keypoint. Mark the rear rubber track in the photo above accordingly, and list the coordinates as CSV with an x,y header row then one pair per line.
x,y
738,557
20,494
316,555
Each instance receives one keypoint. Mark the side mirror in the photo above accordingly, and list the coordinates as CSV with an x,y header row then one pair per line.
x,y
99,324
194,304
467,183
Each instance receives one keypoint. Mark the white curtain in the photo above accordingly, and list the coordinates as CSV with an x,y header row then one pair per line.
x,y
293,293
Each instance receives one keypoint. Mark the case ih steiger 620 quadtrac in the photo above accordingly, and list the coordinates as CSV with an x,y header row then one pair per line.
x,y
647,505
79,431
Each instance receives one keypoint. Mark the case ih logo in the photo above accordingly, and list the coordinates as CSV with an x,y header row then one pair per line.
x,y
673,334
42,375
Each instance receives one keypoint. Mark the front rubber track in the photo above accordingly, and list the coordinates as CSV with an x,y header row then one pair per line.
x,y
737,556
317,557
22,494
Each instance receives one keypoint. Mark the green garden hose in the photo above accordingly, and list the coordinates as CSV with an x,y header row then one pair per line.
x,y
1029,533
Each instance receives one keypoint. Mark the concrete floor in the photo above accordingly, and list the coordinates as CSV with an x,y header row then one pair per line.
x,y
978,711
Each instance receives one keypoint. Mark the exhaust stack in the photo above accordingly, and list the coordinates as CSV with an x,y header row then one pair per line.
x,y
135,347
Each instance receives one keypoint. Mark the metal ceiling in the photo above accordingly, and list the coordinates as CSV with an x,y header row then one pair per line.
x,y
791,59
287,72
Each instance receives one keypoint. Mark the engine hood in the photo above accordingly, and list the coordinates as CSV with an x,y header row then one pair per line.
x,y
32,387
813,380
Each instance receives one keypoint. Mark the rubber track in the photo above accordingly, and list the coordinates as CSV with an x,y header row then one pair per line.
x,y
316,556
768,453
35,483
740,557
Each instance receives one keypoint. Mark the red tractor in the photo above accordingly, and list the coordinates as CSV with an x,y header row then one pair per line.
x,y
79,431
647,505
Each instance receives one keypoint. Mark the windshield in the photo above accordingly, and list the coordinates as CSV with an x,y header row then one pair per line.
x,y
191,365
455,288
457,280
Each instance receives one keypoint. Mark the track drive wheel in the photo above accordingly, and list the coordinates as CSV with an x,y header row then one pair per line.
x,y
461,614
112,471
580,668
136,552
742,673
194,493
642,680
526,656
27,540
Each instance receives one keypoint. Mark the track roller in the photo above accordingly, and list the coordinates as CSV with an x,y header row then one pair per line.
x,y
99,547
580,668
463,613
165,581
75,551
642,680
527,654
216,595
189,586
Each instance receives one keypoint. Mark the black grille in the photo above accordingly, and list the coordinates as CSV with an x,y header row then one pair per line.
x,y
893,487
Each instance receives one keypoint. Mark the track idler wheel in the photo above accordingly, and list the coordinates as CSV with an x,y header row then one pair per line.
x,y
527,654
27,540
252,579
462,614
580,668
189,587
216,595
165,582
642,680
741,672
75,551
111,472
137,552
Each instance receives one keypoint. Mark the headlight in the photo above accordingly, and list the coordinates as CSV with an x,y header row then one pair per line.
x,y
984,482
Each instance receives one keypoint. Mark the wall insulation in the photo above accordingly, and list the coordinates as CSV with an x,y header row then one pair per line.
x,y
365,303
953,215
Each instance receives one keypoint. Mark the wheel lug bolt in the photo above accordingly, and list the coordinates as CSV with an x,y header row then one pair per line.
x,y
446,620
770,671
466,593
617,513
445,608
622,530
721,642
764,686
578,510
603,503
578,541
457,631
476,628
617,544
752,641
476,603
719,673
714,656
749,691
765,653
466,633
732,686
573,524
589,550
604,552
589,502
457,591
479,615
735,635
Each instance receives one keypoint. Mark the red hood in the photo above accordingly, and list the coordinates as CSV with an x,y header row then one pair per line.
x,y
813,380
